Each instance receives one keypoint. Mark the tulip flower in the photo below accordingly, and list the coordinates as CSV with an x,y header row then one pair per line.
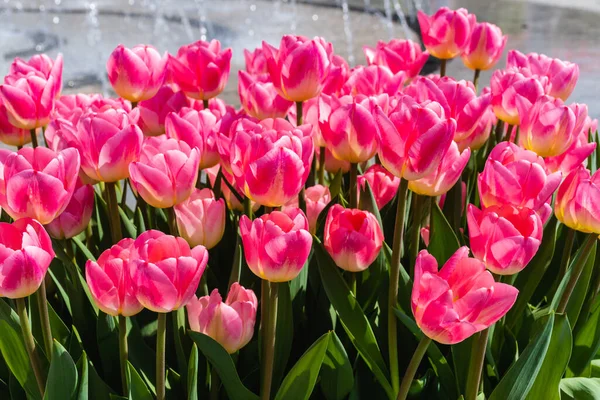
x,y
352,237
299,67
459,300
201,219
28,99
576,154
26,256
43,66
576,203
154,111
446,33
413,138
384,184
504,238
108,142
256,64
316,197
337,76
260,99
197,129
165,271
373,80
230,323
314,110
76,216
38,183
166,172
398,55
485,47
479,133
511,87
443,178
110,282
10,134
227,127
201,69
333,165
136,74
276,245
71,107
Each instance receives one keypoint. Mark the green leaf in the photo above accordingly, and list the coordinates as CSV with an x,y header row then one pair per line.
x,y
108,347
353,319
86,252
442,239
335,187
129,226
580,389
300,381
520,377
284,334
82,370
367,202
547,382
222,362
137,387
337,377
62,378
192,379
587,342
98,389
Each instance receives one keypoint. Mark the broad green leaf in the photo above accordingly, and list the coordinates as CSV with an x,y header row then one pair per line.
x,y
442,239
62,377
519,379
284,334
137,387
192,378
367,202
300,381
337,377
580,389
587,342
108,346
222,362
98,389
82,370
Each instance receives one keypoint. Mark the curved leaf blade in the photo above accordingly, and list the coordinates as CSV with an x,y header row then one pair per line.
x,y
337,376
62,377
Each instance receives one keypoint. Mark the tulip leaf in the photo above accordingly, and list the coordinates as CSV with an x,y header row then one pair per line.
x,y
129,226
192,378
580,389
222,362
335,187
98,389
368,202
547,382
353,319
587,342
108,346
284,334
337,377
300,381
137,387
86,252
519,379
442,239
62,377
83,372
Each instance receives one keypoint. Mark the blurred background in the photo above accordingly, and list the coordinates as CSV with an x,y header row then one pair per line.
x,y
86,32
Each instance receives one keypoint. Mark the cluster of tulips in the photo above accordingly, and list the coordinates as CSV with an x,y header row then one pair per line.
x,y
311,185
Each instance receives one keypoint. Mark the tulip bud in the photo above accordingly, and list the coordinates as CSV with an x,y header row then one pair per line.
x,y
398,55
260,99
316,198
446,33
576,203
485,47
154,111
383,183
76,216
201,219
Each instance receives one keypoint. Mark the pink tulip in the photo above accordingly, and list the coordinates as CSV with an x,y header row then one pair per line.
x,y
227,128
231,323
443,178
28,100
384,184
136,74
201,219
413,138
333,165
197,129
314,111
271,163
154,111
201,69
299,67
260,99
504,238
26,255
485,47
511,87
256,64
76,216
576,203
231,200
480,133
576,154
352,237
337,77
10,134
398,55
373,80
43,66
316,197
517,177
459,300
276,245
165,271
446,33
38,183
110,282
563,75
71,107
166,172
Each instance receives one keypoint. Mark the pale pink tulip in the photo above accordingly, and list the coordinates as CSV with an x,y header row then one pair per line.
x,y
201,219
232,201
446,33
485,47
383,183
576,203
398,55
260,99
333,165
76,216
154,111
316,197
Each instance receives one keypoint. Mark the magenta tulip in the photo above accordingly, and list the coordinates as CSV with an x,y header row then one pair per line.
x,y
576,154
256,64
316,197
576,203
337,76
398,55
485,47
43,66
373,80
76,216
10,134
28,99
511,87
260,99
383,183
446,33
154,111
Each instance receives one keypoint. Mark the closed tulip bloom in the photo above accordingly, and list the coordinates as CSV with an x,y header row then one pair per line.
x,y
459,300
197,129
108,142
260,99
373,80
352,237
154,111
110,282
28,99
227,127
576,155
41,65
76,216
26,255
201,69
299,67
398,55
333,165
337,77
165,271
504,238
201,218
136,74
383,183
443,178
316,197
511,87
446,33
230,323
166,172
256,64
485,47
413,138
576,203
10,134
479,133
38,183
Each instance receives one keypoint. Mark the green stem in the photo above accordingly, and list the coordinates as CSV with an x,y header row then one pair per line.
x,y
269,344
178,317
30,344
433,203
248,207
299,113
417,205
44,319
134,104
394,279
113,212
566,256
172,221
124,194
19,147
476,366
499,132
517,135
412,367
205,104
509,129
476,78
353,202
322,166
443,67
235,268
123,354
34,141
352,282
161,335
